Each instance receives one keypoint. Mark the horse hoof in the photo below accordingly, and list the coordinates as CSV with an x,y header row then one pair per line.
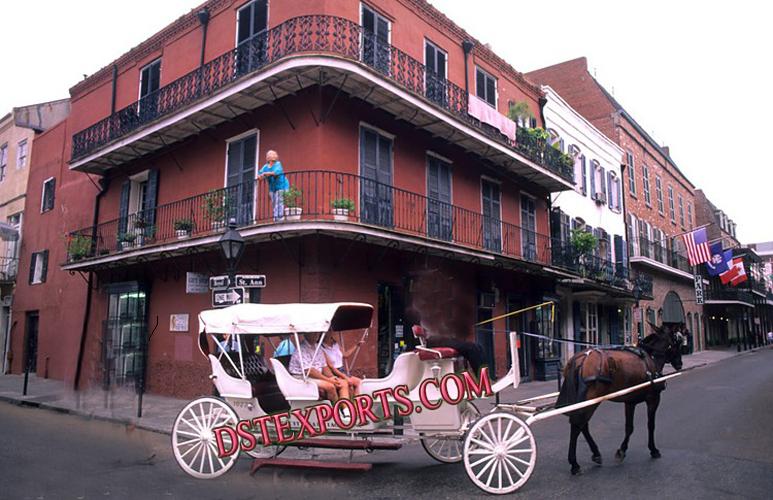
x,y
620,456
576,470
655,454
596,459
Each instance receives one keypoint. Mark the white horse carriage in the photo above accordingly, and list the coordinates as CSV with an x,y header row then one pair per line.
x,y
498,450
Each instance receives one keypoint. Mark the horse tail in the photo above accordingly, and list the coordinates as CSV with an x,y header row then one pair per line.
x,y
569,392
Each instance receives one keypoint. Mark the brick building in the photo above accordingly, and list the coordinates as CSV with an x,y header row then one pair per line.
x,y
390,121
659,199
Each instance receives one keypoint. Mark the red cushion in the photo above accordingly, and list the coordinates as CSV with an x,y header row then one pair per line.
x,y
418,331
445,353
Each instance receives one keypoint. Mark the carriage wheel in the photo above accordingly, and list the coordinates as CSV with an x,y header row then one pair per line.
x,y
448,450
499,453
193,441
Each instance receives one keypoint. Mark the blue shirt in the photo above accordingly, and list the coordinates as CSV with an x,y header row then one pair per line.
x,y
278,181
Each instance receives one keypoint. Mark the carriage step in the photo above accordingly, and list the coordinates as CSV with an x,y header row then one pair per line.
x,y
347,444
307,464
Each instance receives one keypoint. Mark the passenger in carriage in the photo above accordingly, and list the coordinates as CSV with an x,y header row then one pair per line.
x,y
331,388
335,362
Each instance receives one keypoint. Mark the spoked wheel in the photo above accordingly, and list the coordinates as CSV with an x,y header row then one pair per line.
x,y
499,453
448,450
193,441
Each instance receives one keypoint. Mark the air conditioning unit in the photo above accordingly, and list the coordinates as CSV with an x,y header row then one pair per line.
x,y
600,197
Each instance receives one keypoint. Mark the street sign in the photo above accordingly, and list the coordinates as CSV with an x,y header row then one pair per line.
x,y
251,280
228,297
196,283
216,282
698,289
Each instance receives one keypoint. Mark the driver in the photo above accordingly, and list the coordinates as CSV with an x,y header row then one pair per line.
x,y
329,387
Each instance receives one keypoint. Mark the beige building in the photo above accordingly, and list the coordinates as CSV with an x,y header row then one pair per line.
x,y
17,135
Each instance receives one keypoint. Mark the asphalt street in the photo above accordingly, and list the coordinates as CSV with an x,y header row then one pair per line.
x,y
714,429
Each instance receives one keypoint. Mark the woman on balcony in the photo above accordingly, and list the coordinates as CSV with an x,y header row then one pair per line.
x,y
277,182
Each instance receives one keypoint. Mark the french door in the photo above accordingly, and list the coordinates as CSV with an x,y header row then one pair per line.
x,y
376,181
435,74
439,210
375,40
251,37
125,333
240,197
492,214
528,228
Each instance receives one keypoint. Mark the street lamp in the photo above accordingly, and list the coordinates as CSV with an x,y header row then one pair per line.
x,y
232,246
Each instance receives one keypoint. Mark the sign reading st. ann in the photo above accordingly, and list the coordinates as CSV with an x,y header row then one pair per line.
x,y
251,280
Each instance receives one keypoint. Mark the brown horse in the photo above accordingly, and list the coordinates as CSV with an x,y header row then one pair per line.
x,y
597,372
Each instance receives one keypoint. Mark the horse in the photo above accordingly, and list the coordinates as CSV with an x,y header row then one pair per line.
x,y
597,372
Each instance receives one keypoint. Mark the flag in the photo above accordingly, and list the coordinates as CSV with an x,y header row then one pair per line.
x,y
735,275
697,244
720,260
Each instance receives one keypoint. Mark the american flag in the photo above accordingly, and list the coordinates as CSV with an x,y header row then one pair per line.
x,y
697,244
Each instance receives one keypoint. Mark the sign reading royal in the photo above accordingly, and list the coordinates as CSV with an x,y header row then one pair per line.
x,y
217,282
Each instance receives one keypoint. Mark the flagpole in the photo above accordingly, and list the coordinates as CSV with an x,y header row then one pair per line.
x,y
692,230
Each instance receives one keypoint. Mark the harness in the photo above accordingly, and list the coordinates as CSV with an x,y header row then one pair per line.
x,y
645,357
599,377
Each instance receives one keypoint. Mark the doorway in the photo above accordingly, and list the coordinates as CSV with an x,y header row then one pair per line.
x,y
125,335
484,334
391,326
240,181
376,182
31,344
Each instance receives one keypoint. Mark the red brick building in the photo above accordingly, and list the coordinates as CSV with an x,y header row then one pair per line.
x,y
387,109
659,199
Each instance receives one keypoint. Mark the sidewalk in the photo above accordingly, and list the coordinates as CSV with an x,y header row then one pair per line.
x,y
159,412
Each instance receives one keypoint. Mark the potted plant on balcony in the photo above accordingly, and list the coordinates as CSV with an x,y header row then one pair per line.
x,y
583,243
342,207
215,207
79,247
183,228
127,240
292,200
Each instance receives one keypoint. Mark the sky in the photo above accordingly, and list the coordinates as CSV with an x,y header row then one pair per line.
x,y
696,75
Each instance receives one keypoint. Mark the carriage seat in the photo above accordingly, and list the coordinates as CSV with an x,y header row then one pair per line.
x,y
407,370
431,354
294,389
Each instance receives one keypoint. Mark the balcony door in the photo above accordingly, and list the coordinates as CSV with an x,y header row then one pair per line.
x,y
239,199
376,182
251,36
492,215
125,333
375,40
150,82
435,74
439,211
528,227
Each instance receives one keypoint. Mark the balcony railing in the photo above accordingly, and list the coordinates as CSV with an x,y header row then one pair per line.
x,y
643,284
589,266
9,269
316,34
729,294
642,247
323,196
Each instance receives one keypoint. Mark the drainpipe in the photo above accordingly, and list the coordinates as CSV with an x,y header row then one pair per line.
x,y
112,99
203,16
103,184
467,47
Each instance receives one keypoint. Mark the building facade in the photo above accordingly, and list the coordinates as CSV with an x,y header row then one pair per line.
x,y
597,304
410,189
18,131
658,199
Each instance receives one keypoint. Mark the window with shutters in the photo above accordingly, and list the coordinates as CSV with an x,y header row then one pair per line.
x,y
631,173
598,182
584,175
3,161
21,154
137,211
150,81
376,35
659,193
251,36
681,210
435,60
47,196
615,192
38,267
645,172
633,236
689,215
439,209
671,210
486,87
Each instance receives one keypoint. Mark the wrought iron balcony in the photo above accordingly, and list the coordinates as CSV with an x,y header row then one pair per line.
x,y
305,35
729,295
9,269
590,266
324,196
657,251
643,283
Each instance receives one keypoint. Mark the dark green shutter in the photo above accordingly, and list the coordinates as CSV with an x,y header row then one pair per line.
x,y
33,259
123,211
151,202
44,256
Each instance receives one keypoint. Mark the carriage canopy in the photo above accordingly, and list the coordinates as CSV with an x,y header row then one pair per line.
x,y
274,319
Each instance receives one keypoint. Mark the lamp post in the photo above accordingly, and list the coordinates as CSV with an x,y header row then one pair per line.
x,y
232,245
